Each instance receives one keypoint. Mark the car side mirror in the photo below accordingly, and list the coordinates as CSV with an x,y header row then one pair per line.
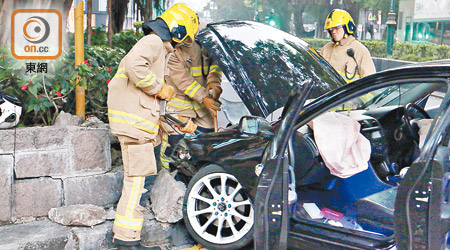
x,y
253,125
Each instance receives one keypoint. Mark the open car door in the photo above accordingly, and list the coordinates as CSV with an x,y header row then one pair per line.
x,y
422,208
271,201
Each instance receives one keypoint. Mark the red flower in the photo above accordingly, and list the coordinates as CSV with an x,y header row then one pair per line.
x,y
103,91
39,95
107,82
89,64
58,94
3,57
110,70
24,87
29,82
85,61
93,32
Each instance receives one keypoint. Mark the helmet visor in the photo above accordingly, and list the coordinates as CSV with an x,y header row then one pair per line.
x,y
179,33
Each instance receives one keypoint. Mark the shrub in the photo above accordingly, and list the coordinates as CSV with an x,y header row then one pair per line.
x,y
123,40
402,51
44,95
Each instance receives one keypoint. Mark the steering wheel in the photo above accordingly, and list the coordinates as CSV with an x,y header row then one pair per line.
x,y
407,117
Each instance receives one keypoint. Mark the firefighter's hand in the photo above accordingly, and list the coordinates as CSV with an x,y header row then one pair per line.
x,y
189,128
211,104
215,88
166,92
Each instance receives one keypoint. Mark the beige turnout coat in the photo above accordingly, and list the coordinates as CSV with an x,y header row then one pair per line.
x,y
336,55
191,69
133,109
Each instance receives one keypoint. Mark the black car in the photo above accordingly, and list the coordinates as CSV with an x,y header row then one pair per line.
x,y
270,182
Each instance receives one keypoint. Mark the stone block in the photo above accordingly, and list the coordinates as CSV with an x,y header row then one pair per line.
x,y
51,137
6,176
66,119
155,233
39,164
98,190
180,236
78,215
34,138
7,141
91,150
37,235
35,197
167,196
97,237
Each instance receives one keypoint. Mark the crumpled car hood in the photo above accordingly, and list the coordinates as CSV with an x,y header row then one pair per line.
x,y
263,64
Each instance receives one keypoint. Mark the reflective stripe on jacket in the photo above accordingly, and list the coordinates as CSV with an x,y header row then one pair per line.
x,y
336,55
133,110
191,68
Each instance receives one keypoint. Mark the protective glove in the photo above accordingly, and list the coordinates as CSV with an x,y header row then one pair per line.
x,y
189,128
166,92
212,105
216,90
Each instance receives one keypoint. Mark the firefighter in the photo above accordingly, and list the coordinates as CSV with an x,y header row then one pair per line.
x,y
196,79
349,57
133,111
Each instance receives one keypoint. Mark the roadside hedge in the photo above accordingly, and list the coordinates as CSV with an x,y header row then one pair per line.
x,y
401,51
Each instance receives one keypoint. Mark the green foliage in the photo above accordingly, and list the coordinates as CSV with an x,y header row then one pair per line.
x,y
441,51
401,51
317,43
126,39
98,36
376,48
123,40
44,95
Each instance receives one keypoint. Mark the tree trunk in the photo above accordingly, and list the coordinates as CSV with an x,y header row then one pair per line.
x,y
145,9
110,29
89,21
118,10
298,9
66,6
5,20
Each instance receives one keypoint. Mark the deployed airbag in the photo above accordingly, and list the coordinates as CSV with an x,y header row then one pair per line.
x,y
343,148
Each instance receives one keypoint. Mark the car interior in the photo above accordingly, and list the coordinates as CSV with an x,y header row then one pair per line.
x,y
364,202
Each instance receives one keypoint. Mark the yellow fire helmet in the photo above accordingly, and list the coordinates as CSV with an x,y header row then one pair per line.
x,y
180,23
192,14
338,17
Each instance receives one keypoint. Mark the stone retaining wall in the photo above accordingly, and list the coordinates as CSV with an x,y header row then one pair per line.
x,y
45,167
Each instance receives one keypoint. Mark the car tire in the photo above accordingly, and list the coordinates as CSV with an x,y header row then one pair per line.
x,y
216,217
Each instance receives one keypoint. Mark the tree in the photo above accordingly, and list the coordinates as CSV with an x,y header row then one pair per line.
x,y
145,8
232,9
118,12
110,28
89,21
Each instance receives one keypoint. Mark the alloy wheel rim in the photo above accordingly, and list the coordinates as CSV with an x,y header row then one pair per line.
x,y
218,209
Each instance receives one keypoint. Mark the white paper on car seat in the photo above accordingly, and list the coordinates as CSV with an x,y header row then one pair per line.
x,y
343,148
424,127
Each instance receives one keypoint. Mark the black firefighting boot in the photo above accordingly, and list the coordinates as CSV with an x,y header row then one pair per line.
x,y
133,245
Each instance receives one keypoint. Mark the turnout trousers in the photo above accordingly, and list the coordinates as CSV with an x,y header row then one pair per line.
x,y
138,162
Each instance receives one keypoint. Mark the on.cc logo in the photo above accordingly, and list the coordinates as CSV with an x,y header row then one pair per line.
x,y
36,29
36,34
